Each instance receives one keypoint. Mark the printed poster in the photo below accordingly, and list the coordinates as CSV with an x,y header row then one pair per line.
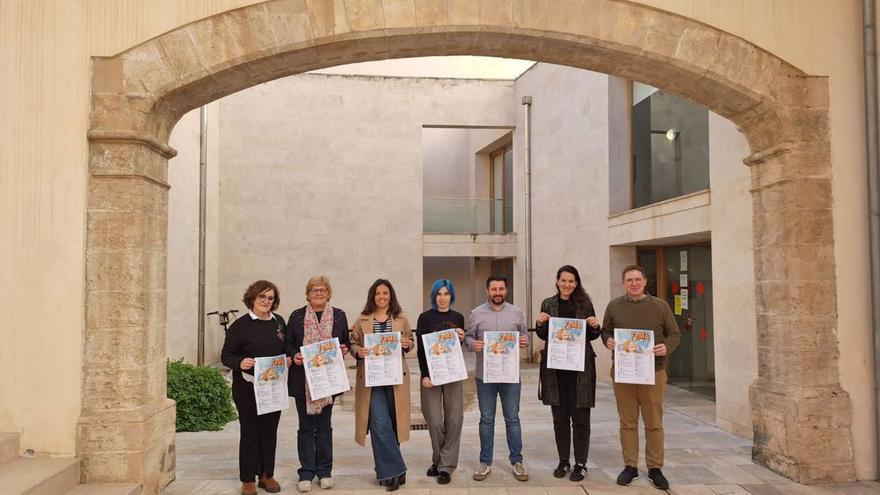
x,y
270,384
634,356
566,344
384,362
324,365
501,357
444,357
684,298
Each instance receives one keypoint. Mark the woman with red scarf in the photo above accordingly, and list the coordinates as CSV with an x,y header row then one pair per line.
x,y
314,322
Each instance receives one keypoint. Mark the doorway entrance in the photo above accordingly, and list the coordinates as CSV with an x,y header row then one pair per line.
x,y
682,276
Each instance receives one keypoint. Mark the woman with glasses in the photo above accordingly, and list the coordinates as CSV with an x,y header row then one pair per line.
x,y
383,411
570,394
314,322
259,333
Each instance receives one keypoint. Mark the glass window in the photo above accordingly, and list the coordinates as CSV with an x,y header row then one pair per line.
x,y
670,146
501,189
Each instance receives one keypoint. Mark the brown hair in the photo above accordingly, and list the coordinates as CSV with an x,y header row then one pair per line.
x,y
629,268
257,288
393,306
315,282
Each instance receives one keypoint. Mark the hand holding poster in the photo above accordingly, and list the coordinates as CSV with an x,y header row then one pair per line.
x,y
444,357
270,384
634,356
384,362
324,365
501,357
566,344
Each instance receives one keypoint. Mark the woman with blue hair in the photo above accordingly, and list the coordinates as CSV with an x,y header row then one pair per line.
x,y
442,405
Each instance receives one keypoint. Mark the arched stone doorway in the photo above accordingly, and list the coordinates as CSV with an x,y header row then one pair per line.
x,y
126,427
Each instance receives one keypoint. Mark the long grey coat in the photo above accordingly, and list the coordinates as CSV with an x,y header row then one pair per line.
x,y
586,380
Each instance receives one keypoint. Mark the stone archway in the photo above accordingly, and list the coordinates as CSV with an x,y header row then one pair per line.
x,y
126,427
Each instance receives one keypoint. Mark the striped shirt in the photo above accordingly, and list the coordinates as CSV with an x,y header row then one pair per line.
x,y
382,326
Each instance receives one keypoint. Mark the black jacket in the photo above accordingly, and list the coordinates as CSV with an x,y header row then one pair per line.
x,y
296,380
586,380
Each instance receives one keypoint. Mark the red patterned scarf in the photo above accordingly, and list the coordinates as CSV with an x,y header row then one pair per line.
x,y
315,331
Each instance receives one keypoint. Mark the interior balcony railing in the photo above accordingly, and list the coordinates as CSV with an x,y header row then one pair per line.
x,y
467,216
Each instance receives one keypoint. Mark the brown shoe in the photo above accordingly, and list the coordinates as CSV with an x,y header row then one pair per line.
x,y
249,488
269,484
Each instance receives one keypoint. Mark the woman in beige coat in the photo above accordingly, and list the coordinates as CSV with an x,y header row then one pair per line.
x,y
383,411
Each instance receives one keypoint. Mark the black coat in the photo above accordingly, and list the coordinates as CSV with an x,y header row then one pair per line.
x,y
296,380
548,393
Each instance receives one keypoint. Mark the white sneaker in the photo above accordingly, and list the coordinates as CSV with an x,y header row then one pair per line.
x,y
482,472
519,472
304,486
326,483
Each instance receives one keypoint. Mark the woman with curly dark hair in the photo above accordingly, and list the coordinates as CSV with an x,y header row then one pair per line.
x,y
259,333
570,394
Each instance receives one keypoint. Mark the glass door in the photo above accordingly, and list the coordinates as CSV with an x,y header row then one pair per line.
x,y
682,276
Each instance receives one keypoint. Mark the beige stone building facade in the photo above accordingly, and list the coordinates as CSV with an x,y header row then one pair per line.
x,y
94,89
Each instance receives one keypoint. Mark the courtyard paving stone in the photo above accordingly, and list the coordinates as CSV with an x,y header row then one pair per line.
x,y
700,458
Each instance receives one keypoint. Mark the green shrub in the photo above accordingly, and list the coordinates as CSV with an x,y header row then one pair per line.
x,y
204,399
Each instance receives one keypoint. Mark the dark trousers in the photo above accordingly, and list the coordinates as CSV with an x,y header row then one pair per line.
x,y
259,434
571,421
314,442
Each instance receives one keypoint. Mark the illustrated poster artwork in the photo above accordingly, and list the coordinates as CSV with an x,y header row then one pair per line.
x,y
634,356
384,362
324,364
501,357
444,357
270,384
566,344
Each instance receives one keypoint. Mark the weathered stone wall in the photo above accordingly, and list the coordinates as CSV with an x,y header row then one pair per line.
x,y
139,95
48,117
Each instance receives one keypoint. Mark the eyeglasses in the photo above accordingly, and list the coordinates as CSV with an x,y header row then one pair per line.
x,y
264,297
318,290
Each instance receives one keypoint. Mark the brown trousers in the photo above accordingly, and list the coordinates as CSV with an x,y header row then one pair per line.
x,y
647,399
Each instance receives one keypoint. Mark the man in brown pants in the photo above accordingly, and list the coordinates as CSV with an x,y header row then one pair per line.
x,y
638,310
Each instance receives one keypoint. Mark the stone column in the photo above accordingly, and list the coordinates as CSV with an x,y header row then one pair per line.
x,y
802,417
126,428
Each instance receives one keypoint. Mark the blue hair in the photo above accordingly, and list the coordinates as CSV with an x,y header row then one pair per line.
x,y
439,284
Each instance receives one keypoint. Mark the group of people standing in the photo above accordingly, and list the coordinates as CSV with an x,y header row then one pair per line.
x,y
384,412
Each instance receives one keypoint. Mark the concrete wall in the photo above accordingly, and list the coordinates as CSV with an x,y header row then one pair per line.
x,y
468,275
448,163
296,199
733,277
569,177
181,330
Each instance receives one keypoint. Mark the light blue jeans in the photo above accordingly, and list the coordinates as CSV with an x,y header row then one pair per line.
x,y
509,393
383,434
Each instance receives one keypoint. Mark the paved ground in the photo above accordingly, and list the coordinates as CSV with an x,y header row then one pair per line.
x,y
700,458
